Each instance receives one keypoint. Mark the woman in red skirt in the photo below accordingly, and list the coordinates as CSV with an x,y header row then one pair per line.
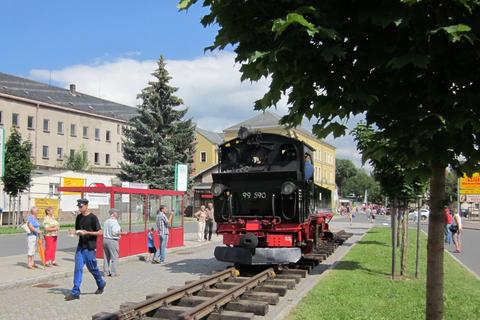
x,y
51,227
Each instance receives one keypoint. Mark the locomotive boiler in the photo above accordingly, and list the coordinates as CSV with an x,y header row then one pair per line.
x,y
267,207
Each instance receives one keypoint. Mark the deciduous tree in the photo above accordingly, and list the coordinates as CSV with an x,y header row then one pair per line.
x,y
410,66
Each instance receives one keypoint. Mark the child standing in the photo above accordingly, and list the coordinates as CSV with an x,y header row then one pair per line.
x,y
151,245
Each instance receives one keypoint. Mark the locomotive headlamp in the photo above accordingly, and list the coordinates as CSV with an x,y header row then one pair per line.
x,y
217,189
288,188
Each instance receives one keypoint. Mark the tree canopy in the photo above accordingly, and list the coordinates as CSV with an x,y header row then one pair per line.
x,y
158,137
344,170
410,66
18,164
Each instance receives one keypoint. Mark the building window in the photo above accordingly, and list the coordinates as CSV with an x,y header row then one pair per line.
x,y
107,159
1,117
203,156
45,152
107,136
97,158
60,127
73,130
118,129
85,155
72,153
59,153
46,125
53,189
30,123
85,132
15,119
118,146
97,134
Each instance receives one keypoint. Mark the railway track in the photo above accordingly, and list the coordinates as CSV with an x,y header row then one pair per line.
x,y
226,295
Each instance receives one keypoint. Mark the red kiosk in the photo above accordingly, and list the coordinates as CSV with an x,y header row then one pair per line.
x,y
138,209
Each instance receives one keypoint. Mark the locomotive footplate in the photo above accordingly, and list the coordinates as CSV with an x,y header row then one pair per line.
x,y
258,256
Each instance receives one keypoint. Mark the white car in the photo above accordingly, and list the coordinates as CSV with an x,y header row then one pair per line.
x,y
424,214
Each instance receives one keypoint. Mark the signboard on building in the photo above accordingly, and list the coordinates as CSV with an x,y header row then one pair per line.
x,y
2,151
43,204
470,185
470,198
181,177
73,182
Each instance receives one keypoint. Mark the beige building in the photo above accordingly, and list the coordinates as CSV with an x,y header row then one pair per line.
x,y
59,122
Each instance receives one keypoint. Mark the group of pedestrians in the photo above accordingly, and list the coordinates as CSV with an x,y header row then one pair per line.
x,y
205,221
453,229
34,235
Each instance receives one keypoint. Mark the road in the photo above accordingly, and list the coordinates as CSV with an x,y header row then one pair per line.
x,y
16,244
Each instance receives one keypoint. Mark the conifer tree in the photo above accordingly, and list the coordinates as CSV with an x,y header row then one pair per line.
x,y
159,137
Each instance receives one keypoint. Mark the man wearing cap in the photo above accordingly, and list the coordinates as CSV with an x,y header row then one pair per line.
x,y
162,226
111,237
87,227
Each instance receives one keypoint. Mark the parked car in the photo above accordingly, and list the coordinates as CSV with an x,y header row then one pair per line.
x,y
424,214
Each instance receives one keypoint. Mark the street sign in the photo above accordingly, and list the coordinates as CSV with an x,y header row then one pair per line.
x,y
181,177
2,151
470,185
73,182
470,198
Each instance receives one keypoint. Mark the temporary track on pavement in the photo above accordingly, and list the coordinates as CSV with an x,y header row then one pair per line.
x,y
226,295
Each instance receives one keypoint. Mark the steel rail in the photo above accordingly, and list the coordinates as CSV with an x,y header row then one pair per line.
x,y
140,309
216,302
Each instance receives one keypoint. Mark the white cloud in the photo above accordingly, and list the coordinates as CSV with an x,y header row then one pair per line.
x,y
210,87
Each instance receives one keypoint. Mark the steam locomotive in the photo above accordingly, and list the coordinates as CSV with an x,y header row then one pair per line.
x,y
267,206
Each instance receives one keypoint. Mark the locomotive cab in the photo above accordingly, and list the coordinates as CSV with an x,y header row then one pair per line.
x,y
265,200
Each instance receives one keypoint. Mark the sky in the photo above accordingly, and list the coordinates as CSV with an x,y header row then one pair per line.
x,y
109,49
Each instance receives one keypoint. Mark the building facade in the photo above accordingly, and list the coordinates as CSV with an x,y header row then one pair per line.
x,y
59,122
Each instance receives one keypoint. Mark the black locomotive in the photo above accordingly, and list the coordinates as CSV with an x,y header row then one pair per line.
x,y
267,206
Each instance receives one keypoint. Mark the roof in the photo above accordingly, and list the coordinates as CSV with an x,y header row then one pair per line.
x,y
41,92
216,138
269,120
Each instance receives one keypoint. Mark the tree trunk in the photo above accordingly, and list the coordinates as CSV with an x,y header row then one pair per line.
x,y
394,237
404,249
399,223
434,307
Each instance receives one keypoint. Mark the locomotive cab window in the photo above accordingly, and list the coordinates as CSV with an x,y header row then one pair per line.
x,y
288,152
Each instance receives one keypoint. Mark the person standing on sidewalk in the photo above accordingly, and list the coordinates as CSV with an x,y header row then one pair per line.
x,y
448,223
87,227
209,222
32,236
162,226
111,237
51,227
201,216
456,229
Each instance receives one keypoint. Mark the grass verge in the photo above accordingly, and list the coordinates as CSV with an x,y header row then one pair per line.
x,y
360,286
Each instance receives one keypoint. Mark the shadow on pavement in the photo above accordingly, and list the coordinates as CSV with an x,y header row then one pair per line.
x,y
62,291
195,266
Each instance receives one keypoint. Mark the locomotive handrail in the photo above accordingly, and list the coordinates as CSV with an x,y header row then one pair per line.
x,y
273,205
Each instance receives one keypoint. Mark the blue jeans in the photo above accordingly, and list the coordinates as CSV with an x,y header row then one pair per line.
x,y
162,250
448,234
85,257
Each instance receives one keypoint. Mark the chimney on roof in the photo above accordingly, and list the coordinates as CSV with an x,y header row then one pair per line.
x,y
73,89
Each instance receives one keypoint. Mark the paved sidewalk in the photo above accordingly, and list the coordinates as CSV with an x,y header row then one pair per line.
x,y
469,224
14,272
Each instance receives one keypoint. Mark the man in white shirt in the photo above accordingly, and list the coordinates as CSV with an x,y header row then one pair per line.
x,y
111,237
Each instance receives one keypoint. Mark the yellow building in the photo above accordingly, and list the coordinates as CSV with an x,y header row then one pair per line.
x,y
206,149
268,122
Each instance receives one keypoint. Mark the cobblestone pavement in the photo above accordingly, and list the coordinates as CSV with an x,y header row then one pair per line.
x,y
136,280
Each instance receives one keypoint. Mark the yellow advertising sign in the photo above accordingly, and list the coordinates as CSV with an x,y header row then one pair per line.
x,y
43,204
73,182
470,185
